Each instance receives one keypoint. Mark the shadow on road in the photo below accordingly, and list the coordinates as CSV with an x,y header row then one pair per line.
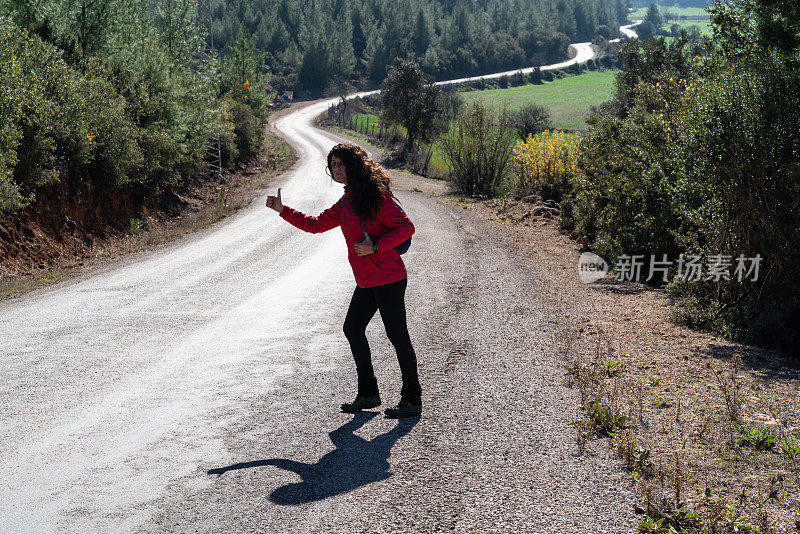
x,y
355,462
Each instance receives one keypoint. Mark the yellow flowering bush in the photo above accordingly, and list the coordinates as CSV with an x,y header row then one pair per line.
x,y
546,163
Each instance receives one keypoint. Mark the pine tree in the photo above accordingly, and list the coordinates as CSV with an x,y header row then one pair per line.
x,y
621,10
177,24
653,17
779,24
242,69
422,37
342,59
584,28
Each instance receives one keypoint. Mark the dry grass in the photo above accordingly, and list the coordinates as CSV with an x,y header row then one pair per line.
x,y
688,400
25,284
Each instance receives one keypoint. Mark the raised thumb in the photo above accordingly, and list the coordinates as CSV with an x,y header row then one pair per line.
x,y
279,194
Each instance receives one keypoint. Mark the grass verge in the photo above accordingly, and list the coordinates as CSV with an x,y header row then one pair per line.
x,y
709,429
709,432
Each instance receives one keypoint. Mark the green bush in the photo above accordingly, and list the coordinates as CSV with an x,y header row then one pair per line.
x,y
134,120
626,190
102,142
567,216
30,74
702,160
248,129
740,183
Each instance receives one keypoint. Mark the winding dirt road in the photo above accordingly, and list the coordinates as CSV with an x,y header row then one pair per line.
x,y
195,388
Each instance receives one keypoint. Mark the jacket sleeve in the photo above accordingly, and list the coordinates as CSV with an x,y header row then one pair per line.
x,y
321,223
400,226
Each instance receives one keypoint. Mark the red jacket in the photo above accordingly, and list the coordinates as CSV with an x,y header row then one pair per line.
x,y
390,228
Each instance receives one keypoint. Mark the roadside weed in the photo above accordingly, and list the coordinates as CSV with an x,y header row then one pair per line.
x,y
654,380
790,450
604,419
659,402
612,367
136,227
760,440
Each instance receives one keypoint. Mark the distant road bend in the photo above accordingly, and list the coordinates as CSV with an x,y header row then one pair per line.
x,y
583,53
195,387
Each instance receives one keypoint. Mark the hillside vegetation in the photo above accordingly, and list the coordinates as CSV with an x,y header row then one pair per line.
x,y
696,157
111,97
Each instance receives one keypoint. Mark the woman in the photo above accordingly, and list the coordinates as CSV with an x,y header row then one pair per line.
x,y
373,224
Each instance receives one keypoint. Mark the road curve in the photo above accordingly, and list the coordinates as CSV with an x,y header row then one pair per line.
x,y
583,53
194,388
628,30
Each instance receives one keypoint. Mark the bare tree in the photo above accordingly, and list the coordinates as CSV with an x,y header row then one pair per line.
x,y
341,87
530,119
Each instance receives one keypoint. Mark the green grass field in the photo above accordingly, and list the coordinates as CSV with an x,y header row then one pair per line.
x,y
695,16
680,11
568,100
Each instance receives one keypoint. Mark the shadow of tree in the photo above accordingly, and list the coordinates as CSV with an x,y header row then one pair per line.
x,y
612,285
770,363
355,462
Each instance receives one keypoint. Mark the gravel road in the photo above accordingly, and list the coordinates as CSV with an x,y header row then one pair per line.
x,y
196,387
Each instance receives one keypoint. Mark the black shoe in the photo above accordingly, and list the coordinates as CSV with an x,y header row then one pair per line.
x,y
403,409
361,403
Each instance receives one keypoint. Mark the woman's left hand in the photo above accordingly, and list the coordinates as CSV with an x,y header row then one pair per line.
x,y
365,247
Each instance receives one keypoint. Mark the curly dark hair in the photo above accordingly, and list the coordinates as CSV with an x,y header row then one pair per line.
x,y
367,181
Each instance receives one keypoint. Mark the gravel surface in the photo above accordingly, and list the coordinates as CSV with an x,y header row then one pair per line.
x,y
196,388
493,451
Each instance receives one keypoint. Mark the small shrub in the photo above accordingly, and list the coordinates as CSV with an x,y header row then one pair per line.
x,y
667,518
546,164
567,220
535,76
530,120
247,128
478,151
136,227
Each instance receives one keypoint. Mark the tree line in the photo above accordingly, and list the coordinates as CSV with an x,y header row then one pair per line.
x,y
128,94
306,43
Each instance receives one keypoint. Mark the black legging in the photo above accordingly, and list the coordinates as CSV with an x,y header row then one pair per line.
x,y
390,300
